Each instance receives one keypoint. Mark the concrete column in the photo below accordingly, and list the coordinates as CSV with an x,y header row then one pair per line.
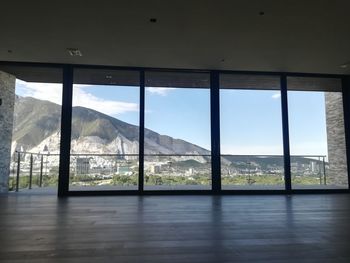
x,y
7,103
337,174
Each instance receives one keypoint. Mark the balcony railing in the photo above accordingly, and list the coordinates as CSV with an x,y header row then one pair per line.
x,y
41,169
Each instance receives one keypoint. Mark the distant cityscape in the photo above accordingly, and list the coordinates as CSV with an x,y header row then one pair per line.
x,y
104,169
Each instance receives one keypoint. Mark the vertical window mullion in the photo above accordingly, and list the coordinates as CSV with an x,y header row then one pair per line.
x,y
285,131
66,124
346,109
215,131
142,131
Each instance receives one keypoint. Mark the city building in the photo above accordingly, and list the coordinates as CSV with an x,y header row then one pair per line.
x,y
82,166
156,169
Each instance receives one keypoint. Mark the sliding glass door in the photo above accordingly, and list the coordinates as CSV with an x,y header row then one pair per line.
x,y
104,150
317,134
251,133
177,131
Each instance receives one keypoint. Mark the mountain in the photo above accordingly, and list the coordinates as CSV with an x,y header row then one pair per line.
x,y
37,128
34,120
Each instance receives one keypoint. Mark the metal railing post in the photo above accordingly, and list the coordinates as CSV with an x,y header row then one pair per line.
x,y
324,171
41,171
31,171
46,166
18,169
320,173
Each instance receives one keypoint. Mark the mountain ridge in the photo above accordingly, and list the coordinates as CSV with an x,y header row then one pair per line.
x,y
37,124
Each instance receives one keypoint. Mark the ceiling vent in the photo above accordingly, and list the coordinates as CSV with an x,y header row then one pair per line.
x,y
74,52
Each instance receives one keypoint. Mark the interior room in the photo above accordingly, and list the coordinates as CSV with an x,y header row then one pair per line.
x,y
181,131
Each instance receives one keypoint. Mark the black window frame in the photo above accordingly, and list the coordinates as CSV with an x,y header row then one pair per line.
x,y
67,80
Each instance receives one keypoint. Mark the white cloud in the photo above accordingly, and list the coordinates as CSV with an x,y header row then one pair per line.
x,y
42,91
276,95
109,107
159,90
81,97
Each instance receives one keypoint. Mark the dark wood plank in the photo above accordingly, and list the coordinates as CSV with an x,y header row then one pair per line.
x,y
299,228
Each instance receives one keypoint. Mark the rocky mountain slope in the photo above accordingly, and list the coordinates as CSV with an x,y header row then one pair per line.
x,y
37,129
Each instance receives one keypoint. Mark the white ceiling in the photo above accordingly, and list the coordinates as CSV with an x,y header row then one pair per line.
x,y
293,35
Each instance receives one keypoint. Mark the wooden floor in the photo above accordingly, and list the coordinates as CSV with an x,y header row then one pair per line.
x,y
301,228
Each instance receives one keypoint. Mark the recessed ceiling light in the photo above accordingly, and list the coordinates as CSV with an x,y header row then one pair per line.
x,y
108,76
153,20
74,52
345,65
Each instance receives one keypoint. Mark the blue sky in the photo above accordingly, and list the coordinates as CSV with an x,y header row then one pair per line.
x,y
251,122
180,113
250,119
307,122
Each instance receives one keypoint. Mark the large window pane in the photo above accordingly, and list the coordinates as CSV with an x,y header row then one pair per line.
x,y
251,132
177,133
36,128
316,130
105,130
